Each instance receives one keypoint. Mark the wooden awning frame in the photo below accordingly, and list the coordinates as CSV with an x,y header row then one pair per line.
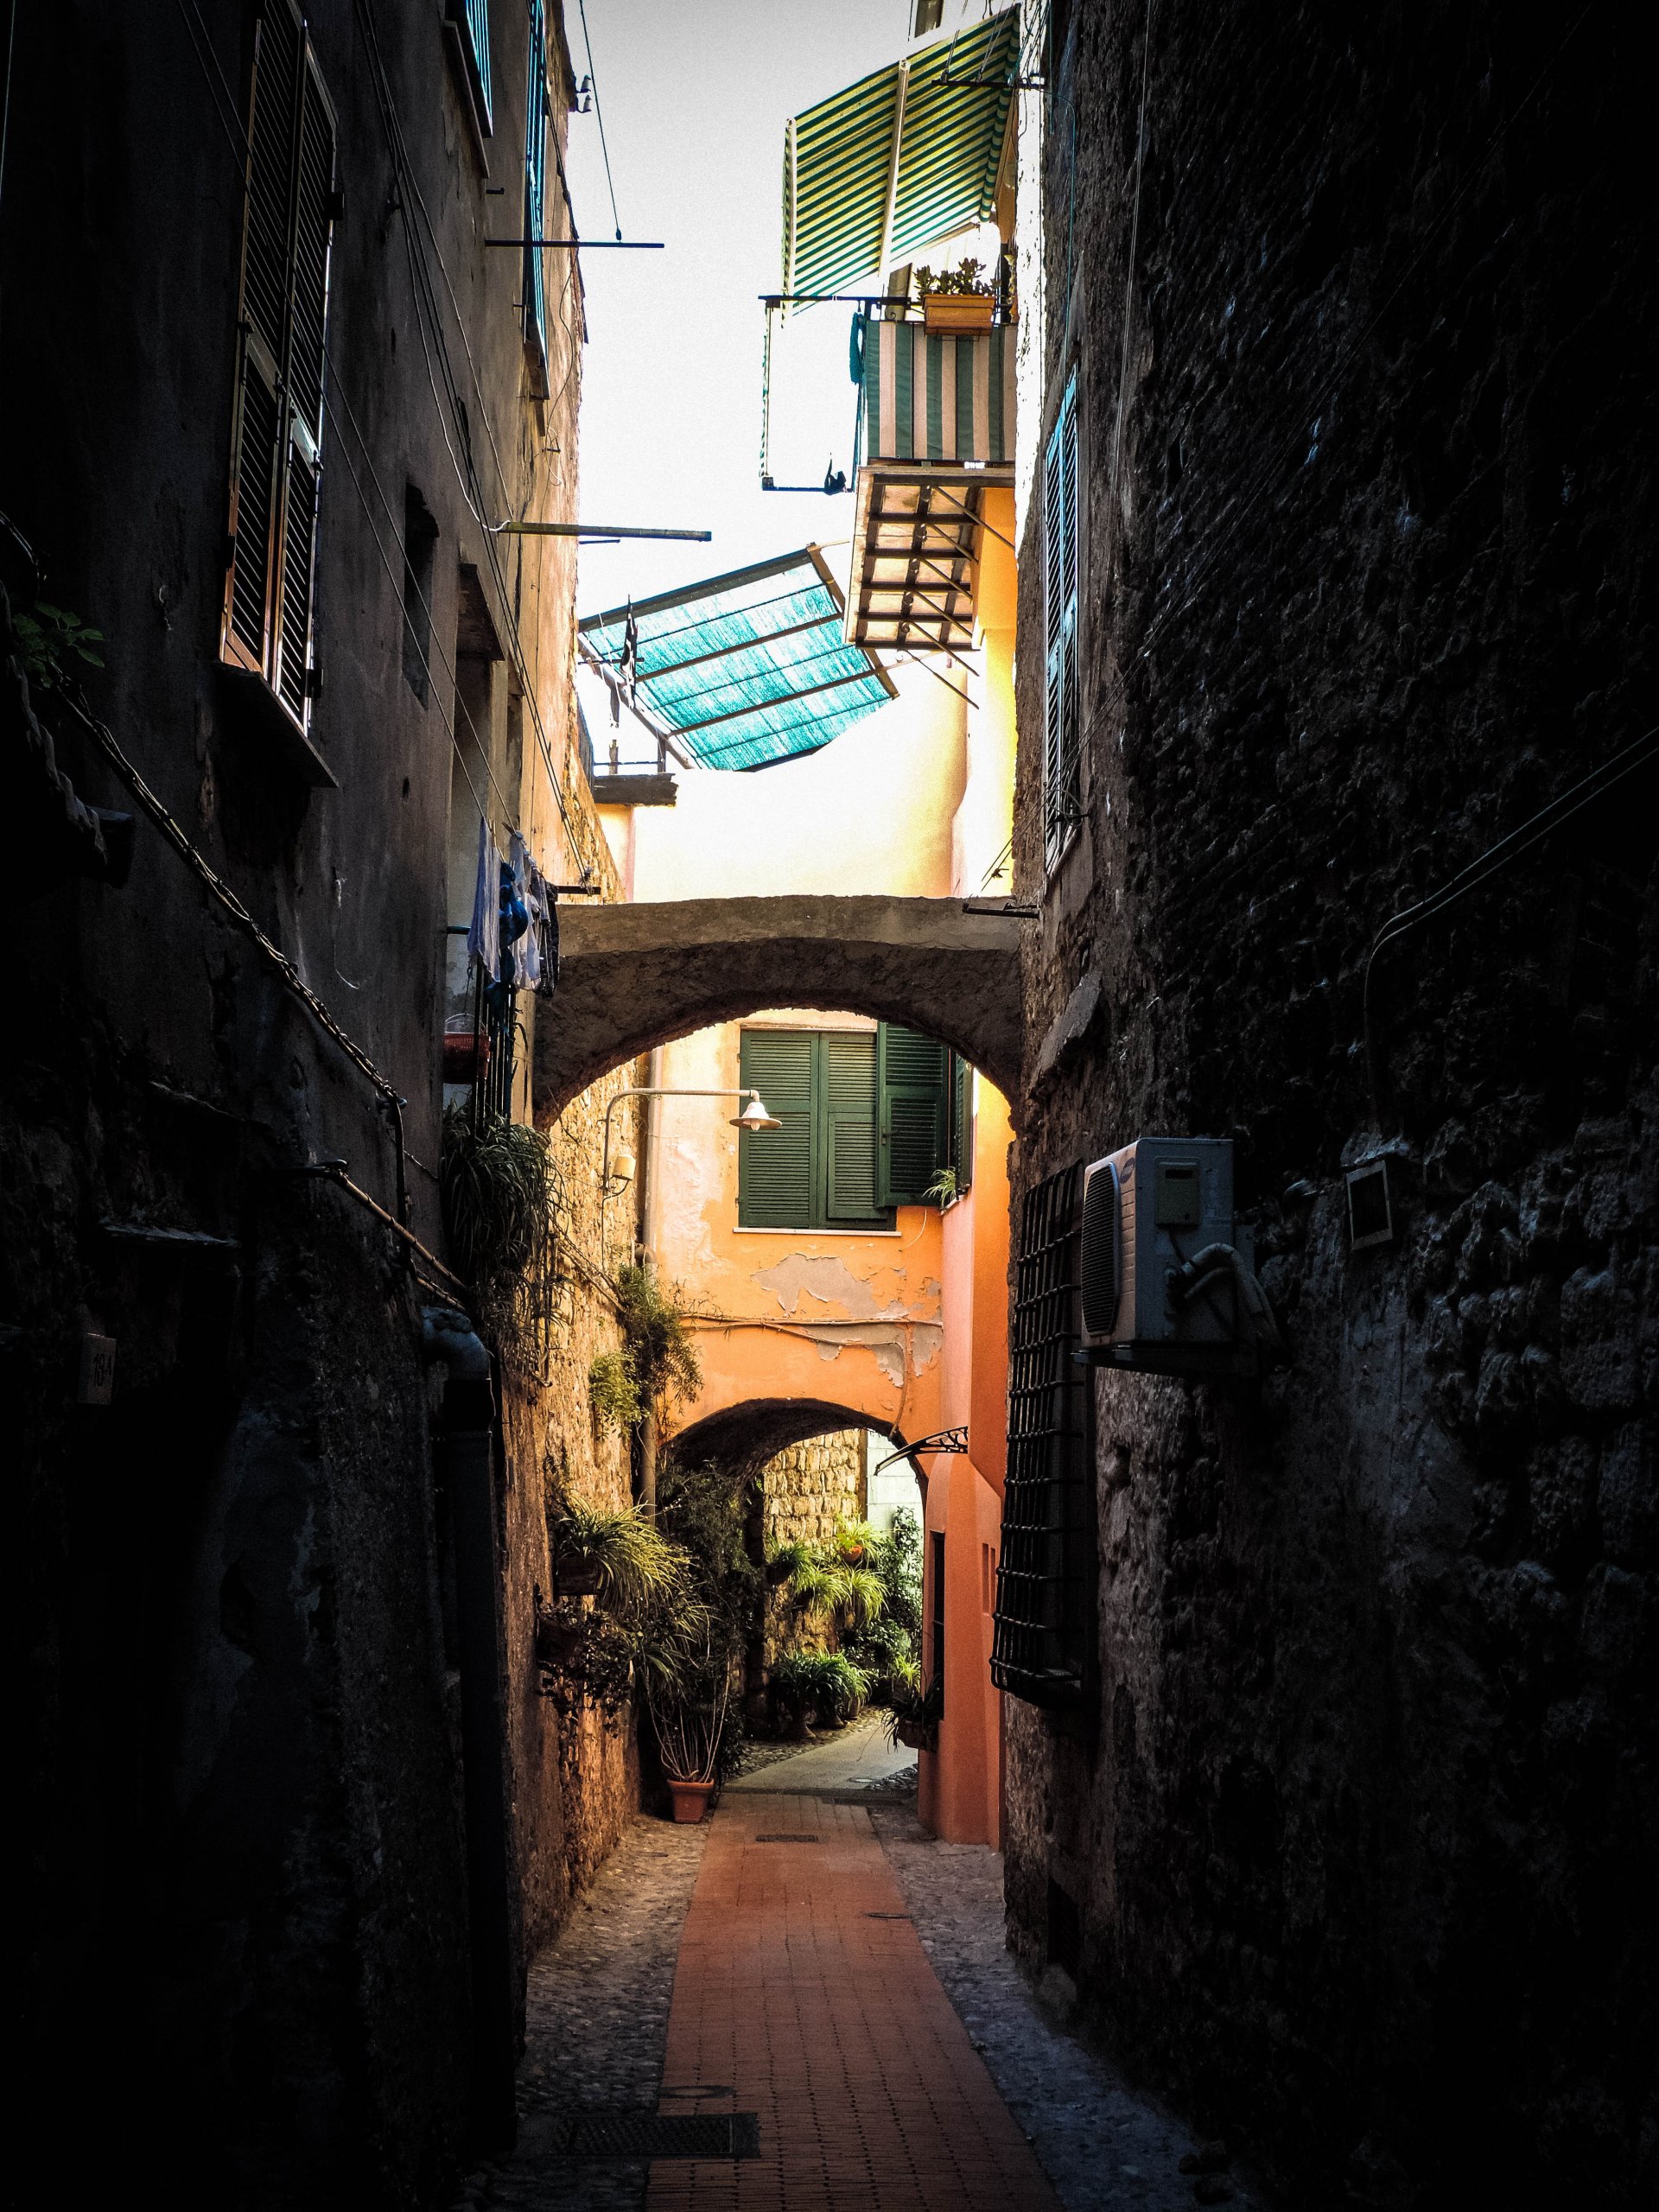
x,y
916,546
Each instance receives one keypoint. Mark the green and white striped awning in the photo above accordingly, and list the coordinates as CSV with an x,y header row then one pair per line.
x,y
937,395
899,161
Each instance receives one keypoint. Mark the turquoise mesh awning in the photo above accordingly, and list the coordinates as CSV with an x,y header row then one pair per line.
x,y
749,668
902,160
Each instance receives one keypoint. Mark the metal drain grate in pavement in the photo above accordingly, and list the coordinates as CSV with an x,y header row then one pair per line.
x,y
629,2131
796,1838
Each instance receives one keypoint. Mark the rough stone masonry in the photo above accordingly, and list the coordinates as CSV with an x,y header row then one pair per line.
x,y
1360,1827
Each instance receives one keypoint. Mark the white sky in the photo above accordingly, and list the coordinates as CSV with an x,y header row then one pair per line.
x,y
695,94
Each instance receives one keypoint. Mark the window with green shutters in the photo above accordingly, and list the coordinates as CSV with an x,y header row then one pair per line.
x,y
915,1134
1062,736
962,1123
865,1126
275,458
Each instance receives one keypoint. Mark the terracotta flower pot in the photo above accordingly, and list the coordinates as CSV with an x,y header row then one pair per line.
x,y
691,1798
577,1578
915,1736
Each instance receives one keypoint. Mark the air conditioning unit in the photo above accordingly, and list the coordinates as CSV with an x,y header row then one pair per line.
x,y
1164,1286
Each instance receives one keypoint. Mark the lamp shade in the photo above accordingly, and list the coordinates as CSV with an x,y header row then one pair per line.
x,y
755,1116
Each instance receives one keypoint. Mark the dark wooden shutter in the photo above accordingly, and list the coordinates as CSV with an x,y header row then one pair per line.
x,y
775,1167
962,1121
911,1078
308,304
277,414
1062,793
848,1091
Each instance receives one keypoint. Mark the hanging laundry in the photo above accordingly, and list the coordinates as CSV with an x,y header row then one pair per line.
x,y
483,937
528,878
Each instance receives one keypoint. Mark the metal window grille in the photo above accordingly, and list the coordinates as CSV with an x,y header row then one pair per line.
x,y
1042,1646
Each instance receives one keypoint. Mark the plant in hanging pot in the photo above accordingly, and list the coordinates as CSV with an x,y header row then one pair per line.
x,y
617,1557
914,1713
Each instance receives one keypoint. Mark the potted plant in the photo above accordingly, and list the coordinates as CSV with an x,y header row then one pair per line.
x,y
688,1714
619,1557
914,1713
959,299
821,1686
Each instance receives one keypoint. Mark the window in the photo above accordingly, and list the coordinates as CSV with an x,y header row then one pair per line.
x,y
1062,758
537,121
962,1123
1043,1637
278,416
468,22
936,1671
420,540
864,1126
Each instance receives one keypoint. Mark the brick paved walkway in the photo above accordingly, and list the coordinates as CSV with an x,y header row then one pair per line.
x,y
804,1994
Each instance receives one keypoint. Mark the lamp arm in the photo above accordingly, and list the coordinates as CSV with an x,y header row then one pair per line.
x,y
649,1090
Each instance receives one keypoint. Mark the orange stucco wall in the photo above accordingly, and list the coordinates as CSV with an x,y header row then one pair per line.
x,y
909,1329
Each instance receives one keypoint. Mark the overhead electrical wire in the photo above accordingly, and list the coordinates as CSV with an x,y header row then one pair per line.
x,y
598,113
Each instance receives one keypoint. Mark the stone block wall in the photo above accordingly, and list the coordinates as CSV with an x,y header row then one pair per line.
x,y
1350,1847
807,1490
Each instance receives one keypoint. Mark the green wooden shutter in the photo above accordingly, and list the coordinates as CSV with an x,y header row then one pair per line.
x,y
776,1167
911,1078
1062,769
962,1121
848,1094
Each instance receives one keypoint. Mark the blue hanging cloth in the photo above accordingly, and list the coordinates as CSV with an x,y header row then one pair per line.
x,y
483,935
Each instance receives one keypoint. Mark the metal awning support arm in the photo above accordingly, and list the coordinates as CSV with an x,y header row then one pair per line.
x,y
943,1440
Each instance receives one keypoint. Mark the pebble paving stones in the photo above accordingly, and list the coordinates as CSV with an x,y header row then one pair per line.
x,y
850,1991
1105,2147
597,2021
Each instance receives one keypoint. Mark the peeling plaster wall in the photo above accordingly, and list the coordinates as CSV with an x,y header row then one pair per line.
x,y
855,1317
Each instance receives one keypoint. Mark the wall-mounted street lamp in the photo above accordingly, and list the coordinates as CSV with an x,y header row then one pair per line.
x,y
754,1116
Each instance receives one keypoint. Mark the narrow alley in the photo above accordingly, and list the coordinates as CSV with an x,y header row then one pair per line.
x,y
866,2036
829,1143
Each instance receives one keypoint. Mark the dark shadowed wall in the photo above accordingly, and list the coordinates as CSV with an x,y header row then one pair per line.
x,y
1360,1825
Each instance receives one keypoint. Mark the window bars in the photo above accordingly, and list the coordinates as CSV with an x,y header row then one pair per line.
x,y
1042,1648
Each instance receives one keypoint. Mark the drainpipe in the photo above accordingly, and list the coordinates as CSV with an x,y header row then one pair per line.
x,y
463,1448
647,1200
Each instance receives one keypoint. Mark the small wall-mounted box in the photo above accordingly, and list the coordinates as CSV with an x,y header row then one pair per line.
x,y
1163,1286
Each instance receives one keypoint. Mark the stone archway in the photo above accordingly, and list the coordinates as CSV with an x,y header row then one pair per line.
x,y
744,1437
632,976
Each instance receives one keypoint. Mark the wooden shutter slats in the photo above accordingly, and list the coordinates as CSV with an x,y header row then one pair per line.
x,y
914,1124
277,425
849,1088
775,1165
1061,794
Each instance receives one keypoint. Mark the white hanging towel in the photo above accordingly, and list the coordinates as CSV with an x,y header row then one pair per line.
x,y
528,877
484,937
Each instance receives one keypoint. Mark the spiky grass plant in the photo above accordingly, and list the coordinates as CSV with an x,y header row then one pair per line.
x,y
495,1184
636,1567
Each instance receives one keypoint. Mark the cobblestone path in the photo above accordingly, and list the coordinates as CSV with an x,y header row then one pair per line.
x,y
597,2021
804,1990
1106,2147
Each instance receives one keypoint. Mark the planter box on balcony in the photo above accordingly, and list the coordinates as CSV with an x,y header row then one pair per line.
x,y
958,310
